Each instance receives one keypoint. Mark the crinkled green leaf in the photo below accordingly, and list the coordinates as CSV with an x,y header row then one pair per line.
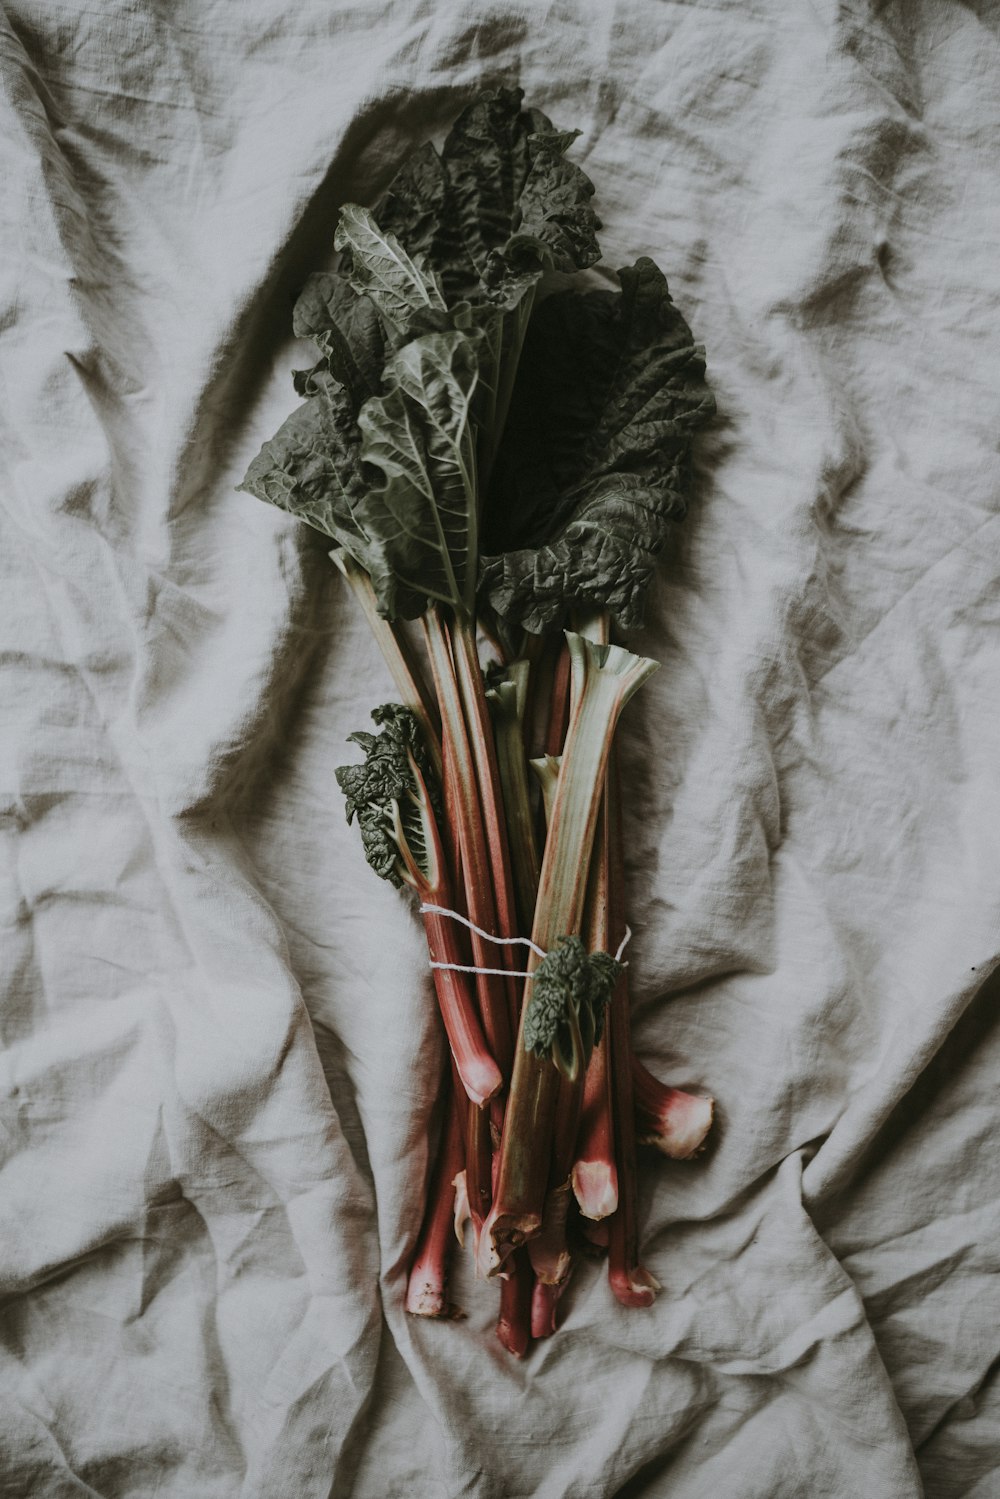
x,y
384,777
570,990
500,200
595,459
499,205
348,330
313,468
407,294
418,434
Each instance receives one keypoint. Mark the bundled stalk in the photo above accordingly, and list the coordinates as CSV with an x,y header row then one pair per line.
x,y
494,459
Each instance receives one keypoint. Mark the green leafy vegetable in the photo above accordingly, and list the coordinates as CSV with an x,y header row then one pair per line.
x,y
384,793
404,291
595,459
470,453
425,514
500,201
565,1014
349,331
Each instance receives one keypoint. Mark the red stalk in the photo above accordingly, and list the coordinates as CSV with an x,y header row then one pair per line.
x,y
479,727
481,1077
631,1283
605,677
478,1167
476,856
594,1172
674,1121
514,1321
544,1300
392,641
427,1285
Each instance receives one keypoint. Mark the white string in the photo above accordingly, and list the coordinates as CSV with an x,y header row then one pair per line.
x,y
501,942
623,944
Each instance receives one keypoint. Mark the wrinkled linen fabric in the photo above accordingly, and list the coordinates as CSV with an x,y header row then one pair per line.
x,y
219,1057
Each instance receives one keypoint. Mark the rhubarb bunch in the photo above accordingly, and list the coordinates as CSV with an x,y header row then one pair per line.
x,y
497,450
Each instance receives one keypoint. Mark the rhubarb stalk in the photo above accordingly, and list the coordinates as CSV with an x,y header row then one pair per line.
x,y
515,1318
595,1173
604,679
426,1291
477,865
396,652
507,702
631,1283
674,1121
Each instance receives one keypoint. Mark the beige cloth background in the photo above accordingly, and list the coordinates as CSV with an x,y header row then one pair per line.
x,y
215,1034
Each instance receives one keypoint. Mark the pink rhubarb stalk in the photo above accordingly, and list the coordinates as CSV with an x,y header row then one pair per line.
x,y
479,861
481,1077
426,1291
595,1174
544,1301
605,677
514,1320
631,1283
675,1122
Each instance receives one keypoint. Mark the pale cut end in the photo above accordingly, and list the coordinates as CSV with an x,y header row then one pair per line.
x,y
501,1235
513,1337
595,1187
463,1213
635,1287
551,1267
426,1298
481,1078
683,1125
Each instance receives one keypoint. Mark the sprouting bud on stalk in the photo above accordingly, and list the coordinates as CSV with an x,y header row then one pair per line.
x,y
565,1015
390,794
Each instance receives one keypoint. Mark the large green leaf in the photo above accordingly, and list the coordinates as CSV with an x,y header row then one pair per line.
x,y
486,216
419,435
595,460
312,468
500,201
407,295
348,330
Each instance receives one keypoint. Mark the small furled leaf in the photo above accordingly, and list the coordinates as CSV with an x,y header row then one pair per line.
x,y
570,991
420,436
383,778
407,295
595,459
347,329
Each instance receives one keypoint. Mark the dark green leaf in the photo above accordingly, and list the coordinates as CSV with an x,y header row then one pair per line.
x,y
496,208
595,459
347,329
500,200
407,295
312,468
570,988
384,777
419,435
